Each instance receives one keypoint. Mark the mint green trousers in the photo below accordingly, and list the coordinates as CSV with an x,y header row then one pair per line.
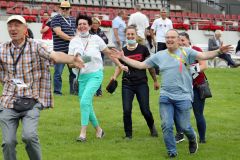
x,y
88,85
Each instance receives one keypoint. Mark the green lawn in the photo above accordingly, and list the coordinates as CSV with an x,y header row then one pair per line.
x,y
59,127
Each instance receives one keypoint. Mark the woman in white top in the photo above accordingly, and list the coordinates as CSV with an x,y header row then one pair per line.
x,y
90,77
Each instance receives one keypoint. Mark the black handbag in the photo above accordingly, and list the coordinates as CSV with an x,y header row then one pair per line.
x,y
112,85
204,90
22,104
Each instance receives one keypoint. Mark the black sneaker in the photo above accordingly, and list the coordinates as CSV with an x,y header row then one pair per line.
x,y
153,131
179,137
202,141
193,146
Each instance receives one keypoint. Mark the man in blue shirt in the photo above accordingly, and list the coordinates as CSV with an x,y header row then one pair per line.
x,y
64,28
176,86
119,25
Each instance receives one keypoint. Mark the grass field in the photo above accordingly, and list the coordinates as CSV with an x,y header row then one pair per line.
x,y
59,127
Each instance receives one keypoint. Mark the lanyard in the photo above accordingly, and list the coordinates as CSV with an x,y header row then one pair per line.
x,y
179,58
20,54
85,48
69,23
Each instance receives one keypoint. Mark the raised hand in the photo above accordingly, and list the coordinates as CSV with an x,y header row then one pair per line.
x,y
116,53
226,48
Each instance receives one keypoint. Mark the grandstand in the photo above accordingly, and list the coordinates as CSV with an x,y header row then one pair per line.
x,y
199,17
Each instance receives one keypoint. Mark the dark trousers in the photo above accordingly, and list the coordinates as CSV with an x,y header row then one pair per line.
x,y
198,108
160,46
142,94
227,57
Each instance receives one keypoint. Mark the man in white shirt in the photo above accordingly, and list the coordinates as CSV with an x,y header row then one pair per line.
x,y
141,21
160,27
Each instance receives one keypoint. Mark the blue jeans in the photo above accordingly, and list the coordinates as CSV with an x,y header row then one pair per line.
x,y
181,110
142,94
198,108
58,69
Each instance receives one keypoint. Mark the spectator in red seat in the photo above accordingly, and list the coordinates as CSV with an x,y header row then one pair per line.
x,y
46,30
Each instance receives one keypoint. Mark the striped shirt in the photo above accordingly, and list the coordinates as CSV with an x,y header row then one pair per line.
x,y
33,68
68,26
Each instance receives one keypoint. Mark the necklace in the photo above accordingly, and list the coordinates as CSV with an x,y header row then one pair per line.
x,y
132,47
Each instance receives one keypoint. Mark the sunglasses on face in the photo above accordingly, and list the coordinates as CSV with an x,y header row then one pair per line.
x,y
64,8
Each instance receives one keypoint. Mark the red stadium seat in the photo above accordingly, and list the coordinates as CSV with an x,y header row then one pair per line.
x,y
44,6
178,14
11,4
10,11
34,12
20,4
172,14
26,11
3,4
18,10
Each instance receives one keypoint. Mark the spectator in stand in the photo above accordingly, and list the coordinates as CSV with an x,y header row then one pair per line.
x,y
46,30
135,82
64,29
96,30
198,103
158,31
215,42
141,21
118,26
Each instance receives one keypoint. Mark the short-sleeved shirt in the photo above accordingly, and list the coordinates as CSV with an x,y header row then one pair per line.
x,y
119,23
161,27
176,80
141,21
33,68
68,26
135,76
91,46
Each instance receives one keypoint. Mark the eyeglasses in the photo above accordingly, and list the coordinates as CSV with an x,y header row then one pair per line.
x,y
65,8
171,37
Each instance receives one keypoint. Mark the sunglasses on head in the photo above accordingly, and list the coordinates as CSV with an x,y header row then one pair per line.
x,y
65,8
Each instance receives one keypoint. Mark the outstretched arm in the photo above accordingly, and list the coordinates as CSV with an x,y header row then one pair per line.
x,y
60,57
211,54
130,62
107,51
